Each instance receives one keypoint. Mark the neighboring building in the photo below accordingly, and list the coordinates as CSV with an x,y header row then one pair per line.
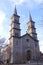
x,y
1,57
1,54
23,48
41,56
6,54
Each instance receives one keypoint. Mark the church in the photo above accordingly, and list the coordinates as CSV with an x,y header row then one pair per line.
x,y
23,48
26,47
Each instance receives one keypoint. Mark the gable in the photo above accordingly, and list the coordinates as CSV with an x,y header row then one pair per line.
x,y
27,35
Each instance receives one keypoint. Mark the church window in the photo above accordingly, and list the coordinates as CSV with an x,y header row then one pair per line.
x,y
16,42
35,44
27,40
16,20
16,34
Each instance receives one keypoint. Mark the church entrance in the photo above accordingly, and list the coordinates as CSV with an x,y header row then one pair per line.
x,y
28,55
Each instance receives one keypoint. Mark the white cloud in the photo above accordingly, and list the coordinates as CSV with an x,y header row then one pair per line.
x,y
41,43
2,18
41,46
29,3
33,3
17,2
38,1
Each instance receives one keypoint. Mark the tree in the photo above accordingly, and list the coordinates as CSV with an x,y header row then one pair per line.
x,y
2,41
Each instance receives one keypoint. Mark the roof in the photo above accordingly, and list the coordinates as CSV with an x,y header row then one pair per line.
x,y
29,36
24,36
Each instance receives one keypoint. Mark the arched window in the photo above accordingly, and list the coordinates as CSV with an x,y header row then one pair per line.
x,y
16,34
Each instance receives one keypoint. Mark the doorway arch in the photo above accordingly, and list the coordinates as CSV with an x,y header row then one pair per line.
x,y
28,55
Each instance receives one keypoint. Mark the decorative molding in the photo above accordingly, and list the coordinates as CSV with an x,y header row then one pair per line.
x,y
14,28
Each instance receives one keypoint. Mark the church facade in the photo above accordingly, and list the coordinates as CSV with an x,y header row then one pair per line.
x,y
23,48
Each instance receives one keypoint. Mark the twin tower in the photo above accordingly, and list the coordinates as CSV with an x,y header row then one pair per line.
x,y
23,48
15,26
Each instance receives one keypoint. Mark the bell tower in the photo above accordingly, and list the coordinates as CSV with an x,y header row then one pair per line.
x,y
32,32
31,28
14,39
15,25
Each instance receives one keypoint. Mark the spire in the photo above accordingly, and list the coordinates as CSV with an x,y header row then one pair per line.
x,y
15,11
30,18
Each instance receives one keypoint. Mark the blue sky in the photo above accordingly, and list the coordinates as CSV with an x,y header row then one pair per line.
x,y
23,8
